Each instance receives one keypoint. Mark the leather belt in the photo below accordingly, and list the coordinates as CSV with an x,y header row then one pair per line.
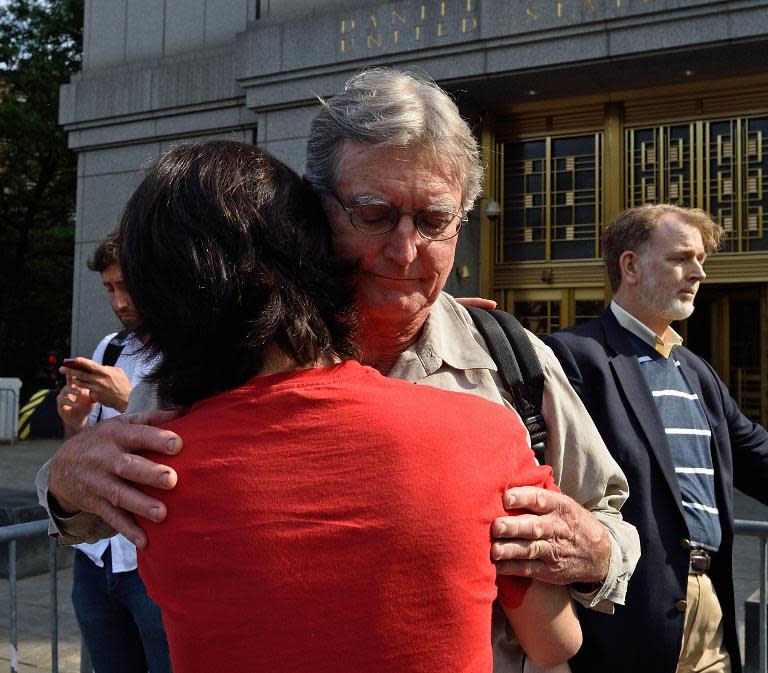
x,y
700,562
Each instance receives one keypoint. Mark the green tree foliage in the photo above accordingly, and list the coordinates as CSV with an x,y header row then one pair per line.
x,y
40,47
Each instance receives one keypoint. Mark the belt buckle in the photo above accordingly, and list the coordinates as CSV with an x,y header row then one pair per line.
x,y
700,561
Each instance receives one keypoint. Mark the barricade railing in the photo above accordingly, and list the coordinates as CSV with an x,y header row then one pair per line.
x,y
759,529
11,534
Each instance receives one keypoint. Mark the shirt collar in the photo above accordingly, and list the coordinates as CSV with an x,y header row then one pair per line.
x,y
632,324
446,338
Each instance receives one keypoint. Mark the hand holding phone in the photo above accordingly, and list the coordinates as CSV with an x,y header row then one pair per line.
x,y
76,363
106,384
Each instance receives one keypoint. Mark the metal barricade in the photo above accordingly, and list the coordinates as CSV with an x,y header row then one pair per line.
x,y
11,534
759,529
9,408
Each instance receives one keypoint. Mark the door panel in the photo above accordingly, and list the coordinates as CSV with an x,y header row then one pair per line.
x,y
728,329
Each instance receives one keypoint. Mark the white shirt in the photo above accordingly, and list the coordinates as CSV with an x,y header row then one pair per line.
x,y
632,324
136,368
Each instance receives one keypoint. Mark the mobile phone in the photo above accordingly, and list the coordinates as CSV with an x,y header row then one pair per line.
x,y
71,363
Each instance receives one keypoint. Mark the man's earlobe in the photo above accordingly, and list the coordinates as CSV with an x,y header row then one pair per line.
x,y
628,263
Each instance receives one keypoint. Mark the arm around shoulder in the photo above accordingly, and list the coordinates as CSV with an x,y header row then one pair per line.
x,y
97,471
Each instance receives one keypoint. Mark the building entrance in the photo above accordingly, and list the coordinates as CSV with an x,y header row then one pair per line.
x,y
729,330
562,169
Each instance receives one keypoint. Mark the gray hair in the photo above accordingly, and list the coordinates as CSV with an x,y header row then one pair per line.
x,y
384,107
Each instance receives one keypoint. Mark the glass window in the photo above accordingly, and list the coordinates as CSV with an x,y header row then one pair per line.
x,y
552,198
540,317
576,197
524,200
587,309
732,185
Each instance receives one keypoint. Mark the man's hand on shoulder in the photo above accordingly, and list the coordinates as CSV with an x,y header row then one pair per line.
x,y
107,385
477,302
96,471
554,539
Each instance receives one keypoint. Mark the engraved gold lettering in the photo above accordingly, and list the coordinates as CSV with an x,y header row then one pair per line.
x,y
618,3
531,13
347,44
441,9
590,5
559,4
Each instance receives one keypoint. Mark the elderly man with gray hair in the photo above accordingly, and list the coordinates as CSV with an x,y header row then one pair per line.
x,y
398,169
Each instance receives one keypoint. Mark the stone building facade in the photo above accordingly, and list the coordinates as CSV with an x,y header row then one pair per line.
x,y
583,107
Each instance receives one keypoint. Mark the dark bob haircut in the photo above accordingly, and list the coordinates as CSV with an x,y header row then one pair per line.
x,y
225,250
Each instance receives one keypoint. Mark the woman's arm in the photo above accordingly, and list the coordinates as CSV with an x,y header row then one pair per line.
x,y
546,624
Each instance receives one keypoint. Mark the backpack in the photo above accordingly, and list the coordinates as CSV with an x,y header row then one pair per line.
x,y
519,369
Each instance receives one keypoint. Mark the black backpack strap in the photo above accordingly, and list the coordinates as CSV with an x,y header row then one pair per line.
x,y
519,369
532,383
111,355
112,351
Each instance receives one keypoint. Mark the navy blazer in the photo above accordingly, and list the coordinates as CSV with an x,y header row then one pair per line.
x,y
646,633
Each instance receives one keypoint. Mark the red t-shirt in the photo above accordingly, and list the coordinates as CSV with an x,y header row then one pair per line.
x,y
333,520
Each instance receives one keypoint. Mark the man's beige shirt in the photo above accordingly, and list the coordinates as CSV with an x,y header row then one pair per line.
x,y
452,355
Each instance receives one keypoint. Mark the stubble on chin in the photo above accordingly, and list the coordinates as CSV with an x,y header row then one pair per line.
x,y
677,309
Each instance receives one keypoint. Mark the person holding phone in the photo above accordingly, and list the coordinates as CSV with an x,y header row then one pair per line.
x,y
122,627
96,384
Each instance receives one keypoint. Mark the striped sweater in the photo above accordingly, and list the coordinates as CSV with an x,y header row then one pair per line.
x,y
689,438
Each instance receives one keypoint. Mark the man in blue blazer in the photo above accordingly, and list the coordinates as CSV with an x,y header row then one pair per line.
x,y
672,426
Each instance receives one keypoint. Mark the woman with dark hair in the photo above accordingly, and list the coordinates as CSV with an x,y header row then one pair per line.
x,y
296,533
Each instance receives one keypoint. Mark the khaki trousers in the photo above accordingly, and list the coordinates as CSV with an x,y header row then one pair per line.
x,y
702,649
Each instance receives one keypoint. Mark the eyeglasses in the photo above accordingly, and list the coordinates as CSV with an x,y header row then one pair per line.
x,y
375,219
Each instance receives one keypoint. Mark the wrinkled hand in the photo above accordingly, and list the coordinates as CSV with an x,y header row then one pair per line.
x,y
96,470
74,404
108,385
477,302
554,540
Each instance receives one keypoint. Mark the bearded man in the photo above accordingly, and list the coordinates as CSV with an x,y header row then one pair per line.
x,y
672,426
